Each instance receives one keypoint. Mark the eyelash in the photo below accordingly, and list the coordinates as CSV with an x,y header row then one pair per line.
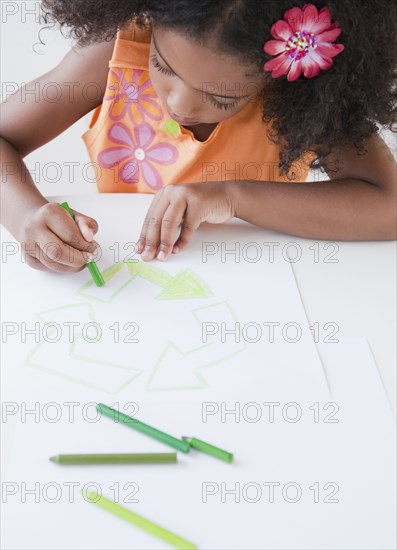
x,y
220,105
164,70
159,67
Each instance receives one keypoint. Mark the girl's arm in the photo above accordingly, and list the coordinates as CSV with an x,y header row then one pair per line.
x,y
359,203
28,121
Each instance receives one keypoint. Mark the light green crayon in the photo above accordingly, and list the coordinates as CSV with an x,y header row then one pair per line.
x,y
139,521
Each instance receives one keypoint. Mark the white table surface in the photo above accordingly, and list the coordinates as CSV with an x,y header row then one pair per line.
x,y
350,285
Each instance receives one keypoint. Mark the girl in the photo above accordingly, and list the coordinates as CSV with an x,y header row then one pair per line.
x,y
220,108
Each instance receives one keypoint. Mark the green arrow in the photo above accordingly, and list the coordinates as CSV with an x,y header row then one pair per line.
x,y
184,285
151,274
108,376
109,292
183,370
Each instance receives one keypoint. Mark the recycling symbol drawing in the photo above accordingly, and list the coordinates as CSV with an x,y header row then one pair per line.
x,y
111,359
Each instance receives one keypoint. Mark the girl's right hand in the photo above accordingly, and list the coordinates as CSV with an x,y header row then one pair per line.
x,y
53,241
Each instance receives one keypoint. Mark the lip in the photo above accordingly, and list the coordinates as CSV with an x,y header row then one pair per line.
x,y
187,121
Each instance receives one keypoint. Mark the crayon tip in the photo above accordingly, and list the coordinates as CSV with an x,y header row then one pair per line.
x,y
54,459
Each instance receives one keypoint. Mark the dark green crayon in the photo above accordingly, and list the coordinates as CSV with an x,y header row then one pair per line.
x,y
208,449
139,426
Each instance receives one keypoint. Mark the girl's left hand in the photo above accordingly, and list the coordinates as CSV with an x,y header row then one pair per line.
x,y
183,207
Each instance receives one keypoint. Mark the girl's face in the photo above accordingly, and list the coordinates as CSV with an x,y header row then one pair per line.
x,y
197,84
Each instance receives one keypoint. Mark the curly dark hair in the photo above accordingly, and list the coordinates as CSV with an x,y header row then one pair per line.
x,y
339,106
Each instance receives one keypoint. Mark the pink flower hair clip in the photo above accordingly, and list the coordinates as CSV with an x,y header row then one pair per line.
x,y
303,43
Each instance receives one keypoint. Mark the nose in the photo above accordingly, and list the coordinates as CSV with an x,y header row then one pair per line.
x,y
182,103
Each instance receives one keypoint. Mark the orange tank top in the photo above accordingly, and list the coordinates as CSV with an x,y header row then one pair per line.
x,y
136,147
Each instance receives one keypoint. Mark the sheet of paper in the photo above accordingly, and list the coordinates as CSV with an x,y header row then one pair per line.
x,y
224,313
250,380
305,476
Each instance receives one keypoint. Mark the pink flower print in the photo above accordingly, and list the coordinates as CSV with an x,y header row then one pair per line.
x,y
131,91
135,155
303,43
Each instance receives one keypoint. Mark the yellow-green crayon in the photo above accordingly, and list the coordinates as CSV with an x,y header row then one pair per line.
x,y
139,521
118,458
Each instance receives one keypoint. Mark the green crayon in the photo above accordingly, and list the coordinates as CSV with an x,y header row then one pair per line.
x,y
138,521
208,449
118,416
136,458
91,266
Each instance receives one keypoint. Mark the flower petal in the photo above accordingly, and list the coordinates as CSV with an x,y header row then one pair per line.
x,y
294,18
151,109
136,115
163,153
112,156
120,133
283,68
310,68
329,36
329,50
310,15
151,176
323,21
324,63
274,63
274,47
129,173
144,135
137,76
117,109
295,71
281,30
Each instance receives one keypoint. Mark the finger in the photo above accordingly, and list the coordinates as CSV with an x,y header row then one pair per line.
x,y
142,237
88,226
35,263
67,229
51,262
64,234
170,227
152,229
53,250
43,265
189,225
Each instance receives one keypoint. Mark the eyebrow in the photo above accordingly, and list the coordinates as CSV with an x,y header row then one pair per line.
x,y
197,90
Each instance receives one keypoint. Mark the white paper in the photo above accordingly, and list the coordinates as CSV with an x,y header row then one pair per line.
x,y
332,471
223,392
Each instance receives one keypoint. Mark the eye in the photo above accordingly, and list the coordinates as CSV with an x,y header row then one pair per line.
x,y
225,106
160,68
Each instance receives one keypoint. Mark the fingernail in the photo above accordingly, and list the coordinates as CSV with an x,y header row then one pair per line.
x,y
161,256
90,257
87,233
175,249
